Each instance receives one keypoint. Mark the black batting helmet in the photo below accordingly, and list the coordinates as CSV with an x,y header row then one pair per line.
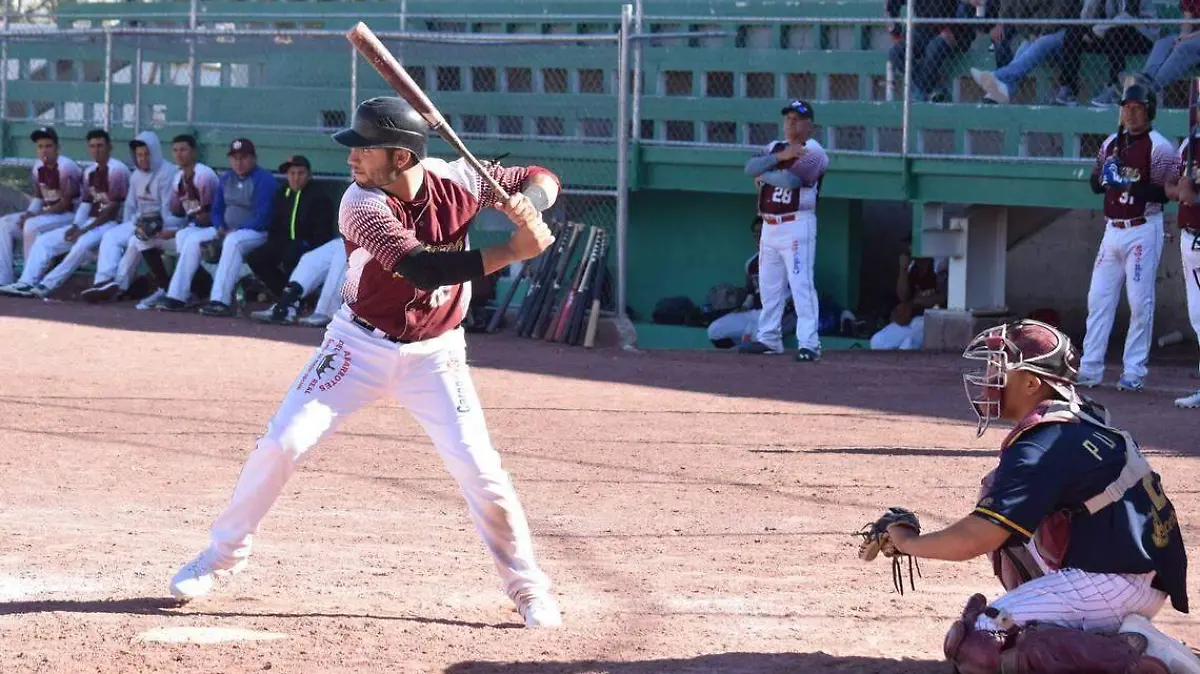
x,y
1140,91
388,122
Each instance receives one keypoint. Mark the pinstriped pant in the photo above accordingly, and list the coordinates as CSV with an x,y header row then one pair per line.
x,y
1093,602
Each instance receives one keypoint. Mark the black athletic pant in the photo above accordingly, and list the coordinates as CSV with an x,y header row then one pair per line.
x,y
274,261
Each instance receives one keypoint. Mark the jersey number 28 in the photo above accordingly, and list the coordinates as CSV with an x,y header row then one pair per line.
x,y
781,195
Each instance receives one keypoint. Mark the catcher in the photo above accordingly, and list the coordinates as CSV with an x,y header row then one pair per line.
x,y
1075,521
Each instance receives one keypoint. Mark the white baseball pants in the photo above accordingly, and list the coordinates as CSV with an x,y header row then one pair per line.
x,y
77,253
323,266
112,251
903,337
11,232
187,242
352,369
1127,256
233,254
39,224
1093,602
1189,251
133,256
786,255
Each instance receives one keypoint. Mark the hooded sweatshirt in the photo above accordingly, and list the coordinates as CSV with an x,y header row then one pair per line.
x,y
150,191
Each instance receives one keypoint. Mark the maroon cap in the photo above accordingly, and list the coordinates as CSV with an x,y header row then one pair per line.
x,y
242,146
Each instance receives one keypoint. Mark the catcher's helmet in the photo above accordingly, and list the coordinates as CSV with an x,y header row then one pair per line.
x,y
1028,345
388,122
1140,91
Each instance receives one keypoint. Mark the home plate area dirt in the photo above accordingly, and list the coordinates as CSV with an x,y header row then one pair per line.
x,y
693,509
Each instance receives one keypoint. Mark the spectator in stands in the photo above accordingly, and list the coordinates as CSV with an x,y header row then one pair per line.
x,y
933,44
303,219
148,202
105,185
1175,55
741,325
920,285
55,194
1049,43
1116,42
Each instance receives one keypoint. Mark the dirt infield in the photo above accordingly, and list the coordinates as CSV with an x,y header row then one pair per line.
x,y
692,509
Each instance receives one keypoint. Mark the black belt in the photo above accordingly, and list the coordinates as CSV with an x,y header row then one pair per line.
x,y
377,332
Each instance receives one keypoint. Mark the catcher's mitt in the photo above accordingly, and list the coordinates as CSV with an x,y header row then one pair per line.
x,y
210,251
147,227
876,540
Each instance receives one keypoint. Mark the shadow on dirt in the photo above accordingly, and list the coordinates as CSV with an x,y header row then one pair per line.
x,y
723,663
159,606
844,383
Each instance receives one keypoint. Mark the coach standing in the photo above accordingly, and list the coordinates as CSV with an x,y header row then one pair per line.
x,y
788,175
1133,167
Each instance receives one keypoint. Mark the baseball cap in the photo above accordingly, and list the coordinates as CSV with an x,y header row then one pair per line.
x,y
800,107
295,160
241,146
44,132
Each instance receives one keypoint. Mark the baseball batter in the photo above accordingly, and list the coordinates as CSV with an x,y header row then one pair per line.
x,y
323,267
105,185
789,177
1074,519
56,183
404,221
1189,247
146,208
1131,171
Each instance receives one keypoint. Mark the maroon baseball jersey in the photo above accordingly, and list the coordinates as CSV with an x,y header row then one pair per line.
x,y
379,229
53,183
104,185
1189,216
810,169
194,194
1148,157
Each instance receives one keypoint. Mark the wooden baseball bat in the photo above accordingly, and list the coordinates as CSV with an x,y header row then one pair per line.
x,y
587,292
367,44
558,324
528,273
589,339
532,299
543,314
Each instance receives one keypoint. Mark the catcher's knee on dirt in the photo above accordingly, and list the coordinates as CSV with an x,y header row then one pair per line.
x,y
1042,649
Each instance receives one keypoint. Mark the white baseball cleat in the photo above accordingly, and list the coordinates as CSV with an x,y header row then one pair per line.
x,y
315,320
1188,401
1178,658
196,577
538,609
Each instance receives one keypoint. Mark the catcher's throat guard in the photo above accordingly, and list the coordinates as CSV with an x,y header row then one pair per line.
x,y
1028,345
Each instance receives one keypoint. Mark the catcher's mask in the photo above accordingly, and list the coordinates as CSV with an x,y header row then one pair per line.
x,y
1027,345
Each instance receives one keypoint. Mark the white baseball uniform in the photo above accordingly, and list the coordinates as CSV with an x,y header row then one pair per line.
x,y
51,184
1129,252
1189,248
149,195
788,245
102,187
392,338
191,195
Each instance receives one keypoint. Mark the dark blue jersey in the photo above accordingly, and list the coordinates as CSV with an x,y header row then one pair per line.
x,y
1055,467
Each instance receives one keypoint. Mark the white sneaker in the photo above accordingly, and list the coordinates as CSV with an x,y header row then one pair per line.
x,y
993,87
1189,401
1089,381
196,577
538,609
1178,658
150,300
315,320
17,289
